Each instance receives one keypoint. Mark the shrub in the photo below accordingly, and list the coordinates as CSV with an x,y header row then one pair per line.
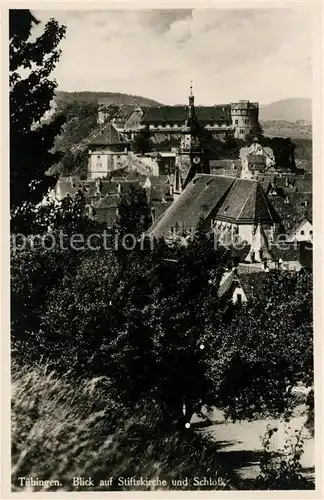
x,y
282,470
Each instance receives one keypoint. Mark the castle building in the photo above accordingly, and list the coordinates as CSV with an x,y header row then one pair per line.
x,y
107,151
166,122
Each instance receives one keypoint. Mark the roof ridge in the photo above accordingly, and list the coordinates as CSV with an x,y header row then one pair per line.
x,y
266,199
247,199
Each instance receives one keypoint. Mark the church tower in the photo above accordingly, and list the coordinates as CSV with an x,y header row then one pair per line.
x,y
191,149
177,183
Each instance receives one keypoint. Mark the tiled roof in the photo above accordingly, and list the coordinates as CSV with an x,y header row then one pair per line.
x,y
110,200
111,187
66,188
124,112
107,135
304,184
256,159
160,180
203,194
292,212
266,185
225,164
253,284
299,226
247,202
178,114
226,282
135,176
221,197
160,207
158,192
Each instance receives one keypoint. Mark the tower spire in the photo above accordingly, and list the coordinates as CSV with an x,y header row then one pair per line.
x,y
191,99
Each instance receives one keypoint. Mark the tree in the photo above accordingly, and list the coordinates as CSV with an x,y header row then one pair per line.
x,y
134,215
143,142
31,142
265,349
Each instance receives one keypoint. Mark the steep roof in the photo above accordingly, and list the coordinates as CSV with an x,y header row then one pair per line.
x,y
226,282
160,207
253,284
202,195
125,111
178,114
299,206
107,135
299,225
247,202
225,198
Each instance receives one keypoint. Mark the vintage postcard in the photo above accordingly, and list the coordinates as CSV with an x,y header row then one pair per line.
x,y
163,166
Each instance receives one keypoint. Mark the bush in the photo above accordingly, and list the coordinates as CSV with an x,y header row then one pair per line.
x,y
282,470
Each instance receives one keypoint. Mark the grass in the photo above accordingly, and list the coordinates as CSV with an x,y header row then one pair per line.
x,y
63,428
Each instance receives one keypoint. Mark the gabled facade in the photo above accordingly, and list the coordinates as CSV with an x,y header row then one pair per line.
x,y
256,159
240,288
303,231
108,151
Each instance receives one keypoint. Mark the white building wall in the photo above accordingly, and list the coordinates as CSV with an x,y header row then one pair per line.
x,y
238,292
304,232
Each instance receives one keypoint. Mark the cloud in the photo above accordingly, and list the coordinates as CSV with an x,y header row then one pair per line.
x,y
257,54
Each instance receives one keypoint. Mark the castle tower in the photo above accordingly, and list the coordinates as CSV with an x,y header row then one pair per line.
x,y
245,118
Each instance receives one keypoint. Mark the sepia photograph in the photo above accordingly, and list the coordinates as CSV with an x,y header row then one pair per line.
x,y
161,247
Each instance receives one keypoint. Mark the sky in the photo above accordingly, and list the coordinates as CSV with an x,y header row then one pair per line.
x,y
261,54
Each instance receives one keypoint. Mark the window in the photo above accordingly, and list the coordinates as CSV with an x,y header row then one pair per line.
x,y
239,298
98,157
236,122
311,233
302,232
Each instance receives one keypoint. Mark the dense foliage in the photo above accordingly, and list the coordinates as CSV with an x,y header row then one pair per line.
x,y
72,143
31,92
151,319
143,142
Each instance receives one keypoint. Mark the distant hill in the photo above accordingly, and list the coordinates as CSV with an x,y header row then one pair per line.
x,y
62,98
282,128
290,110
